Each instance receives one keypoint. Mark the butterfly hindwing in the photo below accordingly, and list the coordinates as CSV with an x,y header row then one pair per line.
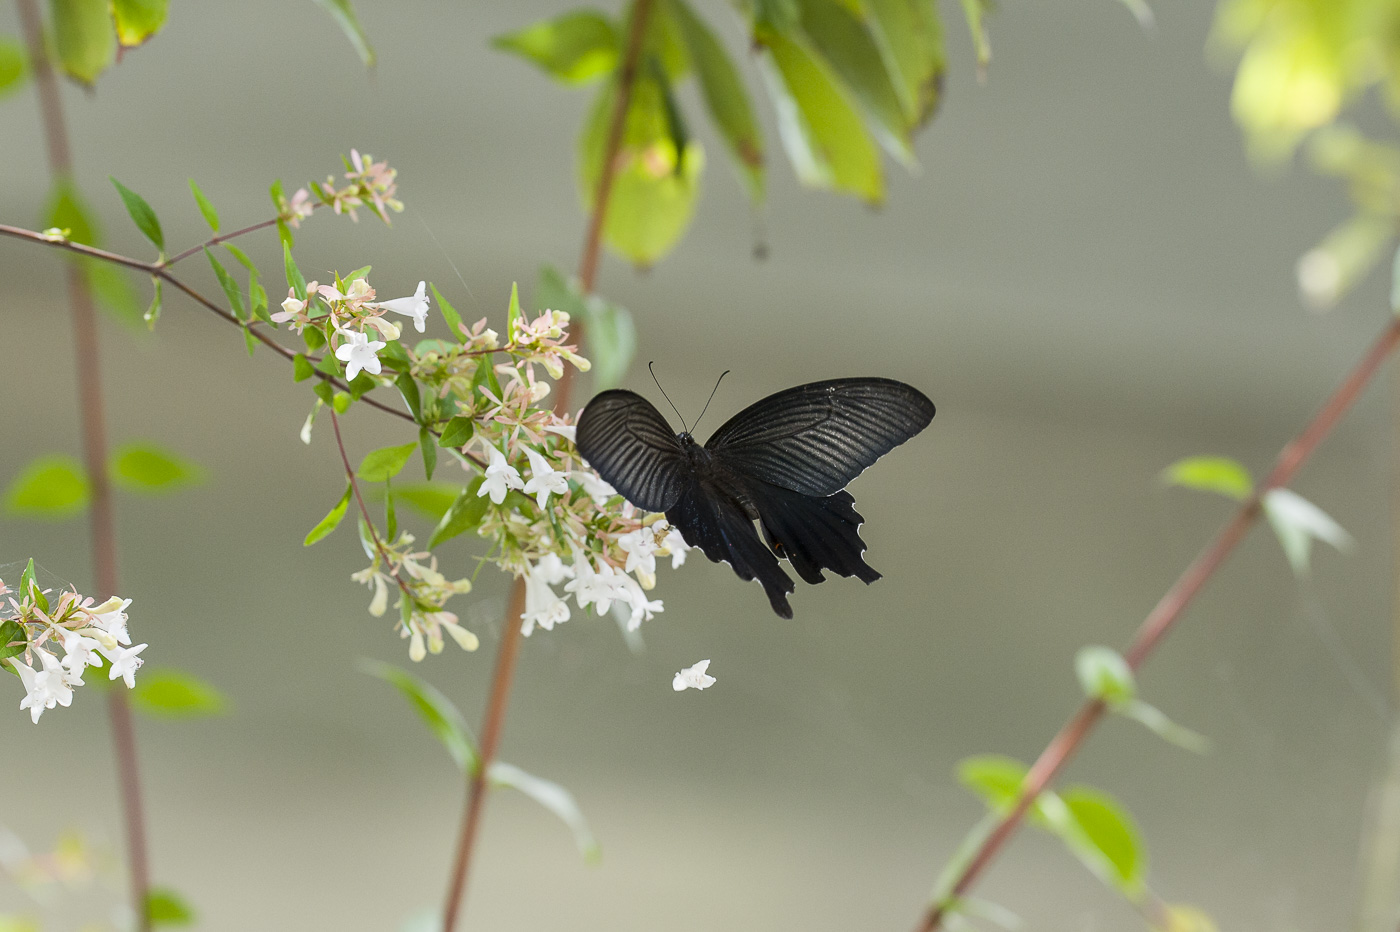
x,y
813,533
816,438
627,441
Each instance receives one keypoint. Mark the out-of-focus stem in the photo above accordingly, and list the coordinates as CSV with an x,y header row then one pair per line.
x,y
94,435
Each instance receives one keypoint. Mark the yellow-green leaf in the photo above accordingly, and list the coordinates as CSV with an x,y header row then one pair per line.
x,y
436,710
575,48
84,37
146,467
466,513
165,907
171,693
344,15
53,487
138,20
331,520
1210,474
385,463
910,38
1109,842
14,65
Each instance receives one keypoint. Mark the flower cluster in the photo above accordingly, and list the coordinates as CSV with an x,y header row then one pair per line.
x,y
371,184
346,313
422,593
33,627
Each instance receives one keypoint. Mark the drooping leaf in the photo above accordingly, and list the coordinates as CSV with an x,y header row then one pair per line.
x,y
1156,721
432,499
165,907
726,97
14,65
976,13
141,215
153,312
385,463
428,448
344,15
847,46
1108,841
145,467
211,216
575,48
449,314
612,337
1211,474
1297,521
138,20
466,513
408,389
910,37
331,521
437,711
553,797
230,287
50,487
171,693
84,37
820,129
111,287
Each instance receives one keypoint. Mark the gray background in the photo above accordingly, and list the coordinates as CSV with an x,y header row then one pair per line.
x,y
1088,278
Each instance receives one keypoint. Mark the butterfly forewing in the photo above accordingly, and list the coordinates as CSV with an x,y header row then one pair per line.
x,y
630,445
816,438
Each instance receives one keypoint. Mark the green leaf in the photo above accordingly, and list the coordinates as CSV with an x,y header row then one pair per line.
x,y
612,337
1156,721
457,432
436,710
513,312
574,48
323,391
344,15
656,185
1104,674
976,12
331,520
230,287
726,97
341,401
83,37
153,312
28,580
211,216
385,463
1107,841
295,281
1297,522
165,907
408,388
145,467
429,448
13,639
52,487
171,693
138,20
994,778
14,65
847,46
67,209
141,214
432,499
1211,474
553,797
910,39
449,314
466,513
391,517
822,132
111,287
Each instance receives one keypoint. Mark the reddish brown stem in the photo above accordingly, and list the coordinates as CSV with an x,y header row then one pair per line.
x,y
1166,613
494,720
94,436
221,238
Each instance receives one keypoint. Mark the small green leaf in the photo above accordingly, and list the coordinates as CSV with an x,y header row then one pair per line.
x,y
111,286
331,520
910,38
612,338
513,312
449,314
391,516
211,216
385,463
29,580
138,20
466,513
1297,522
436,710
295,281
995,778
324,392
976,12
230,287
51,487
144,467
432,499
408,388
314,338
141,214
1104,674
171,693
14,65
301,368
1108,841
344,15
1156,721
553,797
1211,474
457,432
341,402
13,639
429,448
153,312
574,48
83,37
165,907
68,210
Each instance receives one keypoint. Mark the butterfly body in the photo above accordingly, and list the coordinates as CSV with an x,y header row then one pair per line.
x,y
783,462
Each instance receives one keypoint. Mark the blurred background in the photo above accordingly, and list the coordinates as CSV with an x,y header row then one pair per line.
x,y
1089,279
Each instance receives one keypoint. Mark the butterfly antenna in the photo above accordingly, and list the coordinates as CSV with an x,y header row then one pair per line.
x,y
666,396
712,396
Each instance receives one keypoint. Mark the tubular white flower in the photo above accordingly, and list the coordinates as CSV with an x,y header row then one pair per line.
x,y
415,306
675,543
358,352
49,686
125,663
110,616
640,546
79,652
542,606
544,478
593,486
693,677
501,476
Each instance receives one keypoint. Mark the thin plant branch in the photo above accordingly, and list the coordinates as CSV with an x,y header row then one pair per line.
x,y
92,418
359,499
497,700
1164,616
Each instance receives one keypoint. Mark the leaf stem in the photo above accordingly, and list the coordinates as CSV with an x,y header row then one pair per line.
x,y
1165,615
498,698
359,499
92,418
221,238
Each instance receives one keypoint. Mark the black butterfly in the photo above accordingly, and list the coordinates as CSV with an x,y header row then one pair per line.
x,y
784,462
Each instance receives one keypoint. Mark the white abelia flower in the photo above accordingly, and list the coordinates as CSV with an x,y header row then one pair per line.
x,y
640,546
542,606
110,617
80,652
358,352
593,486
46,687
600,588
564,430
642,608
125,663
676,545
415,306
501,476
693,677
544,478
